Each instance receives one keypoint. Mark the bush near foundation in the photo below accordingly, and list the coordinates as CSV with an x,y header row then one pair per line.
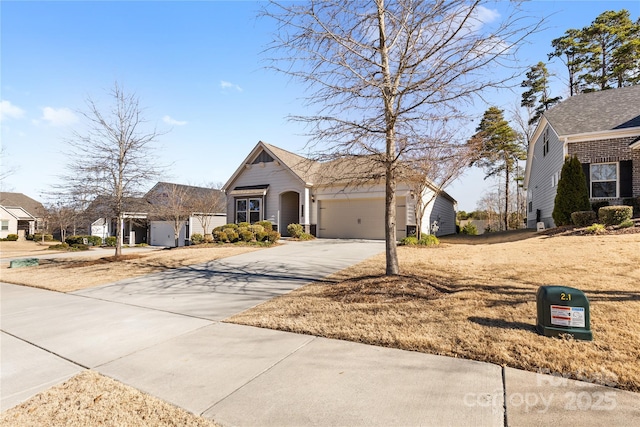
x,y
583,218
614,215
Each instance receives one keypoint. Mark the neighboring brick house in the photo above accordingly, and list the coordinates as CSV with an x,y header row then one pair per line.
x,y
603,130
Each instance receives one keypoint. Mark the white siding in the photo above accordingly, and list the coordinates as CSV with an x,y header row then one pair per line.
x,y
215,220
12,223
543,167
279,180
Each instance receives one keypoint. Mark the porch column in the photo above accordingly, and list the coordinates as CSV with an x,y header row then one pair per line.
x,y
307,210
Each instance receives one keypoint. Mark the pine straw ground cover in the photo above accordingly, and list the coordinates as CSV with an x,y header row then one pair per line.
x,y
474,298
72,274
90,399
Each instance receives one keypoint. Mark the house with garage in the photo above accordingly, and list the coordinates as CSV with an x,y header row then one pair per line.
x,y
32,212
327,198
167,215
603,130
15,220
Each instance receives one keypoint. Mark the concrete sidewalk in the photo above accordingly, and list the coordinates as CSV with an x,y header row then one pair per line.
x,y
163,336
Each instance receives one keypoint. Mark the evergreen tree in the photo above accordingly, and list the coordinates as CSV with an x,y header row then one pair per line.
x,y
572,194
537,96
570,49
602,55
498,148
609,37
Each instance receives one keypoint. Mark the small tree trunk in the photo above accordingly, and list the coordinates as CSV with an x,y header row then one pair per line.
x,y
119,235
393,268
506,193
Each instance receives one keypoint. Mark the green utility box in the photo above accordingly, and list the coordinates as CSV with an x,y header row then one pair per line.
x,y
563,310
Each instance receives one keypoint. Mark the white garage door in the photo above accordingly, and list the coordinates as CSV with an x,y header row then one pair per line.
x,y
162,234
351,219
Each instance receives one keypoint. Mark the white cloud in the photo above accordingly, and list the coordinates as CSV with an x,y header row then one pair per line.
x,y
229,85
58,117
486,15
10,111
173,122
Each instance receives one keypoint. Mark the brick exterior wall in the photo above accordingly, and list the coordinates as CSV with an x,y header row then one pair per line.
x,y
609,150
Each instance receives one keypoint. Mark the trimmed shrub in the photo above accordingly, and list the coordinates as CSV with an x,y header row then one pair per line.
x,y
232,236
79,240
596,229
595,206
306,236
11,237
59,246
220,236
614,215
247,236
243,225
583,218
262,236
470,229
627,224
409,241
197,238
47,237
273,236
295,230
80,247
573,194
266,224
635,203
256,228
111,241
428,240
208,238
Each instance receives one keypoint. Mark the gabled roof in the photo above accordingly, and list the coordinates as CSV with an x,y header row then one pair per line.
x,y
33,207
590,116
189,190
607,110
339,171
19,213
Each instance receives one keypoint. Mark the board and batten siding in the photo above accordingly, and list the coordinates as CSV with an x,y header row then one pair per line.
x,y
543,185
279,180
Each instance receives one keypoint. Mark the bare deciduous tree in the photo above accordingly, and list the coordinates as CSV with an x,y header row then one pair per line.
x,y
114,157
379,72
208,202
173,203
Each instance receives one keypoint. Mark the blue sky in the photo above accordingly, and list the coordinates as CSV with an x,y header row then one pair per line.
x,y
197,68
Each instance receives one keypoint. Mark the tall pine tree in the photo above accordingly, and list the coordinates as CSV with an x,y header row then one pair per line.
x,y
498,148
538,95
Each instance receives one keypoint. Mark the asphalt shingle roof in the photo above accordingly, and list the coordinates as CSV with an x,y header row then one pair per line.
x,y
597,111
33,207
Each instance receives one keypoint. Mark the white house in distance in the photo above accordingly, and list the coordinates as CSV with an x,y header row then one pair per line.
x,y
603,130
15,220
143,221
284,188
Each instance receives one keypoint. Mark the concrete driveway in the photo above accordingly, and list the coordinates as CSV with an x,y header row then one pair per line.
x,y
219,289
162,335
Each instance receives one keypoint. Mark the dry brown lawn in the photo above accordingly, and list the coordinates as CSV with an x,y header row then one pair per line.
x,y
26,248
72,274
474,297
90,399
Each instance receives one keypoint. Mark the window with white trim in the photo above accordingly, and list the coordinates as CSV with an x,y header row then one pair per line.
x,y
604,180
5,225
248,210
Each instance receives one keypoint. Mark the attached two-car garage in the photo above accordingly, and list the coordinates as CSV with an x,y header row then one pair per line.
x,y
357,218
